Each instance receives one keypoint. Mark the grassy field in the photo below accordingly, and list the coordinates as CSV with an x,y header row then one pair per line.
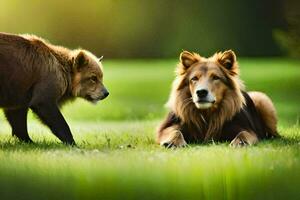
x,y
117,158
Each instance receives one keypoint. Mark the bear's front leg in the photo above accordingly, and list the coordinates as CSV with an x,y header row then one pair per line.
x,y
49,113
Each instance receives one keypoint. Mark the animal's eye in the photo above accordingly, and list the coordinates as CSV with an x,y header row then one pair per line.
x,y
215,77
195,78
94,78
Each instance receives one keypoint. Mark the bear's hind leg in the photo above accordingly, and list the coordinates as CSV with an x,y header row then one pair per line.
x,y
17,119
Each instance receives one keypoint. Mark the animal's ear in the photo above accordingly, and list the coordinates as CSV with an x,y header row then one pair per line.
x,y
81,60
100,59
187,59
228,60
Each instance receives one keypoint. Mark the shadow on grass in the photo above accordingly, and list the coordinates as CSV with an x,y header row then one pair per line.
x,y
288,138
279,142
46,145
282,141
15,145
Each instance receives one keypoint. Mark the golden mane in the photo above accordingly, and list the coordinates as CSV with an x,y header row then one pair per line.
x,y
208,122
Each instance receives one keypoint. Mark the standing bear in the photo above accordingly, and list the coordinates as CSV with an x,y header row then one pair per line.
x,y
37,75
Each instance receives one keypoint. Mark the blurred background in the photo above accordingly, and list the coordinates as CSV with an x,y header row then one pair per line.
x,y
160,28
141,41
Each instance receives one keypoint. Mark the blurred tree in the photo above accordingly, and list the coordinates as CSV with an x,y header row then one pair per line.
x,y
157,28
289,35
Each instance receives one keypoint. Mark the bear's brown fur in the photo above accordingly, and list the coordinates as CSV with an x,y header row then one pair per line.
x,y
207,102
38,75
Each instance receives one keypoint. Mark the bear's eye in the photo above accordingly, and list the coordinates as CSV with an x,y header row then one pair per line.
x,y
195,78
215,77
94,79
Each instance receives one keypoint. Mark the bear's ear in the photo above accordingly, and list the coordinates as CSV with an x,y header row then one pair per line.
x,y
228,60
100,59
81,60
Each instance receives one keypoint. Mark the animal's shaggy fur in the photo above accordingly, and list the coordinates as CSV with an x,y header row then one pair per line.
x,y
38,75
187,123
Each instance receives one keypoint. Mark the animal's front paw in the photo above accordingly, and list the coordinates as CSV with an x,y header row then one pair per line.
x,y
238,142
175,139
243,139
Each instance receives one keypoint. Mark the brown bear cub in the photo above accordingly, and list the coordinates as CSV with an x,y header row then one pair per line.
x,y
208,102
37,75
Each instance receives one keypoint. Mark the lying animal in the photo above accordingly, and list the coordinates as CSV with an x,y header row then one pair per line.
x,y
208,102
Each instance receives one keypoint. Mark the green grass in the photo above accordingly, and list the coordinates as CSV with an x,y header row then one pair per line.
x,y
117,158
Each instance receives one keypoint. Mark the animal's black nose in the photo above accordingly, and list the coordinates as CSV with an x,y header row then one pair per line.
x,y
202,93
106,93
